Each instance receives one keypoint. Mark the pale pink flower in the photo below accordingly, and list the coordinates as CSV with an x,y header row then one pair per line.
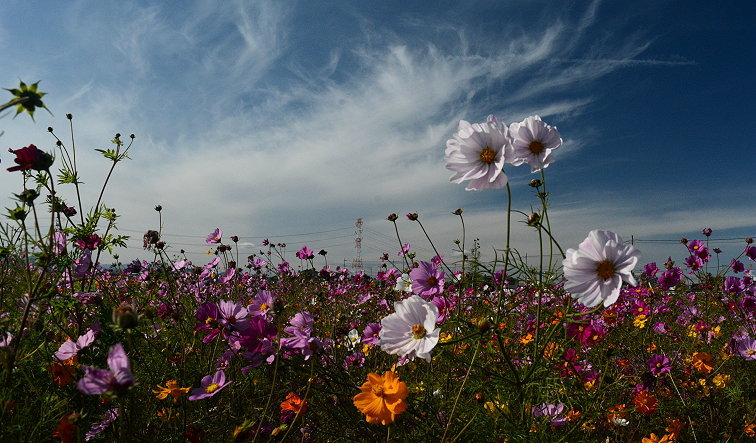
x,y
478,153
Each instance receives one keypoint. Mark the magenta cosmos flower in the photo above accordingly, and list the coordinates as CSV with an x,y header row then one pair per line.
x,y
532,142
595,271
214,237
427,280
117,379
478,153
210,385
658,364
305,253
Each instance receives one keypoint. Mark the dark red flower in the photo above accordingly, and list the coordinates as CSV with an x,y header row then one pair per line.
x,y
30,158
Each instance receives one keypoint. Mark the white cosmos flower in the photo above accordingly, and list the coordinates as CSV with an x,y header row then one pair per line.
x,y
478,152
410,331
403,283
595,271
532,142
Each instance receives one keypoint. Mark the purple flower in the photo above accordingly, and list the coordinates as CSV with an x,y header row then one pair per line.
x,y
59,243
300,330
258,337
660,327
658,364
650,270
747,348
427,280
405,250
110,416
214,237
750,252
698,248
443,306
733,285
233,316
370,334
694,262
551,412
208,314
707,232
210,385
259,263
670,279
117,379
262,304
737,266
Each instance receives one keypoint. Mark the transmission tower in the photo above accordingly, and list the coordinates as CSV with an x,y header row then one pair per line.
x,y
357,261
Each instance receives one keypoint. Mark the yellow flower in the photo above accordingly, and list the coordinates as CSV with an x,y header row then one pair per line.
x,y
171,388
382,398
721,380
640,321
527,339
444,337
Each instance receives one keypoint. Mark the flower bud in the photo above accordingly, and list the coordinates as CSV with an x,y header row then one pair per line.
x,y
392,217
458,212
534,219
749,240
235,239
535,183
707,232
69,116
412,216
484,325
684,241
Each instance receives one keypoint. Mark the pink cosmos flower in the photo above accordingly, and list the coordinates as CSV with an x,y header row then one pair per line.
x,y
404,251
478,153
305,253
262,304
117,379
214,237
532,142
70,348
427,280
210,385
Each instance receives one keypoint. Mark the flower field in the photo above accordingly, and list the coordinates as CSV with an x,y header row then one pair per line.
x,y
591,345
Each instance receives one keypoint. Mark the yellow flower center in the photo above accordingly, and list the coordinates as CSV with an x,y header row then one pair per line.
x,y
263,306
487,155
209,320
212,388
751,351
418,331
535,147
605,269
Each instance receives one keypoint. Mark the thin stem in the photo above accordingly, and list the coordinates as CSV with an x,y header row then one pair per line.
x,y
459,393
401,245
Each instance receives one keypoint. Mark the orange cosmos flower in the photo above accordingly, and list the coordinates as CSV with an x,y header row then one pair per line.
x,y
654,439
703,362
171,388
645,403
294,403
382,398
62,372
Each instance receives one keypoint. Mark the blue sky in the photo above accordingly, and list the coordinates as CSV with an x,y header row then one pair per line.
x,y
289,120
